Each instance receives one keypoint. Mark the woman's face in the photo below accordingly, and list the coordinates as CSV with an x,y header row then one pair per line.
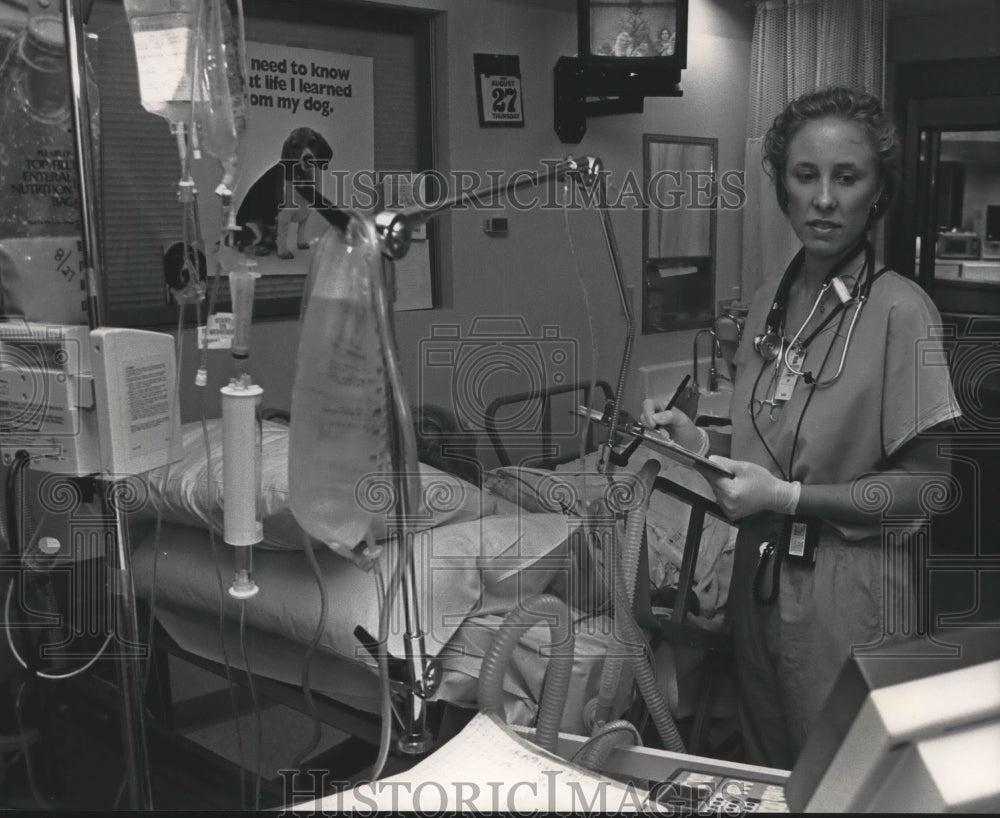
x,y
832,181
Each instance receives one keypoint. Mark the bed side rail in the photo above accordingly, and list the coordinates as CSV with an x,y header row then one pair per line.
x,y
548,453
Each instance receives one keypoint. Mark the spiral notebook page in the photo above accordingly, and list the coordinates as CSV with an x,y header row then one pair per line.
x,y
486,768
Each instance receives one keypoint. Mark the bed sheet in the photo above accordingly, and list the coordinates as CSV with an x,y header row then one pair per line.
x,y
460,586
573,487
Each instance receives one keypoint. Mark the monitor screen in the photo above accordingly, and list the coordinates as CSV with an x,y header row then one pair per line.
x,y
653,32
905,730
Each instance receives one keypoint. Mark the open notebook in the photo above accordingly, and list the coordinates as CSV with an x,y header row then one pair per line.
x,y
487,768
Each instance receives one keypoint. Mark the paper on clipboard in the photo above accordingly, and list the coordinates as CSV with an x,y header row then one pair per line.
x,y
662,444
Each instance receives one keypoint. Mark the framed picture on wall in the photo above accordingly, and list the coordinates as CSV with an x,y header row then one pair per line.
x,y
647,31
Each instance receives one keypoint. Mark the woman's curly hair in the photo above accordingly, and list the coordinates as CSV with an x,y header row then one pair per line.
x,y
843,103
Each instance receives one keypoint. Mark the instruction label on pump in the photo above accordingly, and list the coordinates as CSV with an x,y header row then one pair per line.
x,y
218,333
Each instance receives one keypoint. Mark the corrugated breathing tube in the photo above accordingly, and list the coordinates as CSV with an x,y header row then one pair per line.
x,y
616,673
553,700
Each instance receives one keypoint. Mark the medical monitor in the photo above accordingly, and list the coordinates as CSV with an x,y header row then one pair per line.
x,y
917,730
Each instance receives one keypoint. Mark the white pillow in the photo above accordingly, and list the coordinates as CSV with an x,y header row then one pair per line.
x,y
185,493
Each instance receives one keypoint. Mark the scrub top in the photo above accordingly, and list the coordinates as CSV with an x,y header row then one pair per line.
x,y
895,384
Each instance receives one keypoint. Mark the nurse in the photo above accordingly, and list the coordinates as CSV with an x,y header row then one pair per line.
x,y
832,412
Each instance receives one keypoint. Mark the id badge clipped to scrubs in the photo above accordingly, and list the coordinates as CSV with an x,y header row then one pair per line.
x,y
799,539
790,368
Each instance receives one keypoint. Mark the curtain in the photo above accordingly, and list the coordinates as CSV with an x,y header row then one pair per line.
x,y
679,231
798,45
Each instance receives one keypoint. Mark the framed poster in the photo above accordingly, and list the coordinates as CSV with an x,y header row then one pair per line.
x,y
498,90
312,121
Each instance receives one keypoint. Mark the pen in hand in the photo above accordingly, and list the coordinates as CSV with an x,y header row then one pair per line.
x,y
673,400
677,392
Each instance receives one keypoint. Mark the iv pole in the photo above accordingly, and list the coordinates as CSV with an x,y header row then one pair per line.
x,y
395,229
125,618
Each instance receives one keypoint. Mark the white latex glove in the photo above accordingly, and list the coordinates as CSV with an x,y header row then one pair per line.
x,y
675,423
752,488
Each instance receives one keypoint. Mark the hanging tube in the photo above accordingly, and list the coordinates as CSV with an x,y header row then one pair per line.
x,y
614,660
494,667
84,146
422,674
645,677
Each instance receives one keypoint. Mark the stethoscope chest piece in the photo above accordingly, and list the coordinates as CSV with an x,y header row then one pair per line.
x,y
768,344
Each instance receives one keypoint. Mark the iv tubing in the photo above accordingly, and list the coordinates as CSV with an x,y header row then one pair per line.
x,y
550,710
423,680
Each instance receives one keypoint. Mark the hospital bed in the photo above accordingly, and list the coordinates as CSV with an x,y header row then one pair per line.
x,y
484,549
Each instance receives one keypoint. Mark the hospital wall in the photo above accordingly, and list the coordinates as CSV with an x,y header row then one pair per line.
x,y
539,270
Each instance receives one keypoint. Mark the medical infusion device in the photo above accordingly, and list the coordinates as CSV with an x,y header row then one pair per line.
x,y
242,526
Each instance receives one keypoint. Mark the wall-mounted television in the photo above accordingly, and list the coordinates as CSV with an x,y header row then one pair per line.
x,y
645,33
627,50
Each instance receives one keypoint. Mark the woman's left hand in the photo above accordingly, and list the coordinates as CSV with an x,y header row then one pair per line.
x,y
751,489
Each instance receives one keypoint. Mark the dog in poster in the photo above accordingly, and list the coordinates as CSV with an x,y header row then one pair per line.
x,y
285,194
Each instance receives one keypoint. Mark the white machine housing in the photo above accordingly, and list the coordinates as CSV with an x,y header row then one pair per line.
x,y
84,402
135,390
47,397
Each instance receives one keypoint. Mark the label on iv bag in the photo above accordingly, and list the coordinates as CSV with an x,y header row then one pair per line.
x,y
218,334
163,58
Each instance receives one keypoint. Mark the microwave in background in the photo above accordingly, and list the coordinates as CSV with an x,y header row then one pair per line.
x,y
958,245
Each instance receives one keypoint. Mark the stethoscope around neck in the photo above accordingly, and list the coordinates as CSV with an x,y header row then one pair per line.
x,y
771,343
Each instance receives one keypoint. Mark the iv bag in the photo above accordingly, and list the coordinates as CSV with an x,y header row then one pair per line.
x,y
339,435
221,103
164,34
40,276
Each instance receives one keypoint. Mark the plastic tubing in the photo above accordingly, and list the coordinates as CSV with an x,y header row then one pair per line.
x,y
595,752
645,678
550,710
614,660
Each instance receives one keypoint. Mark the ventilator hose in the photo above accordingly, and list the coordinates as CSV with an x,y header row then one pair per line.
x,y
553,700
612,678
594,753
645,678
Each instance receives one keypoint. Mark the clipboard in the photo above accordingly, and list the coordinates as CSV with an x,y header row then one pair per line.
x,y
660,443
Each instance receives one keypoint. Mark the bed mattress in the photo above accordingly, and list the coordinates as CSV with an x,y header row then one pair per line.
x,y
465,588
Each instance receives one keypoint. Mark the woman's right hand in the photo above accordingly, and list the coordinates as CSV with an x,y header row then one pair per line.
x,y
679,426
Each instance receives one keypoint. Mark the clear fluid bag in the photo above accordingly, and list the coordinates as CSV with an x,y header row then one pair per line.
x,y
339,440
